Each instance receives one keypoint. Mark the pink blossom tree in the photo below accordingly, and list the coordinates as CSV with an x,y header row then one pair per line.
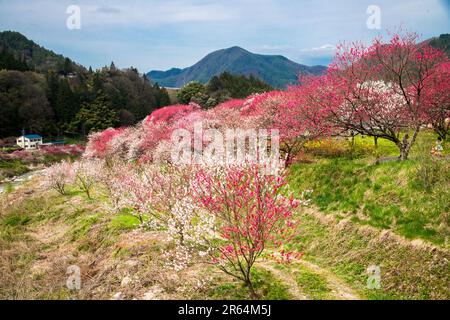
x,y
98,146
87,173
252,216
288,112
381,90
438,100
134,188
58,176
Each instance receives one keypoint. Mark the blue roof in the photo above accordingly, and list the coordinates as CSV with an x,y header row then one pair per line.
x,y
33,136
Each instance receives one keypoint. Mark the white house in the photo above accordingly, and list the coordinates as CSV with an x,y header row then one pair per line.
x,y
29,141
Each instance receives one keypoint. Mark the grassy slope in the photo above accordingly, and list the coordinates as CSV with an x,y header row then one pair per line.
x,y
360,208
389,195
11,168
42,233
409,270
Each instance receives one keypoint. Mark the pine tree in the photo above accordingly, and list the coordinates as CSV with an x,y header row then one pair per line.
x,y
66,103
96,116
164,98
112,67
52,89
9,62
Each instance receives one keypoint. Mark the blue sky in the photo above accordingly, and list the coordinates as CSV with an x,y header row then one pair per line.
x,y
156,34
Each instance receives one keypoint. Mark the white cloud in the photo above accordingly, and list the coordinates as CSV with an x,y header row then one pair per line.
x,y
142,15
326,50
178,32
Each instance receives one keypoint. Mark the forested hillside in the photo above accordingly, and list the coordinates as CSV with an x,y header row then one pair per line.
x,y
442,42
36,57
220,89
46,93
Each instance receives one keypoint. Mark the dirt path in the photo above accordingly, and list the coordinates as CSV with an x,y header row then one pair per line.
x,y
339,290
50,249
287,278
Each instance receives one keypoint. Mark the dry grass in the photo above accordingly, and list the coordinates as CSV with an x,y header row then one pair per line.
x,y
42,234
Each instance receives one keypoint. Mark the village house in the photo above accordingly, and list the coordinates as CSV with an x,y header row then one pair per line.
x,y
29,141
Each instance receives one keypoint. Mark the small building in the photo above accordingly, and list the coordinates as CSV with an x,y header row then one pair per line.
x,y
29,141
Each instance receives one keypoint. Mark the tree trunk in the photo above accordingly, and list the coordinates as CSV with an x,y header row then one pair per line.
x,y
403,153
288,158
406,144
403,146
253,294
88,193
375,139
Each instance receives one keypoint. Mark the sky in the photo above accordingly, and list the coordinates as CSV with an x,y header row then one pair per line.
x,y
161,34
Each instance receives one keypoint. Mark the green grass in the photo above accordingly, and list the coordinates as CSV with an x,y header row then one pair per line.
x,y
16,220
347,251
312,284
264,282
124,222
10,169
391,195
82,227
8,187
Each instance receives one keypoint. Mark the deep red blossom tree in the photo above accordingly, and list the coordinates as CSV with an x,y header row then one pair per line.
x,y
290,113
159,126
438,100
171,114
381,90
251,213
98,142
226,115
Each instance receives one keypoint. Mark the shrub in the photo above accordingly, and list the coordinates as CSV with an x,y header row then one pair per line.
x,y
329,148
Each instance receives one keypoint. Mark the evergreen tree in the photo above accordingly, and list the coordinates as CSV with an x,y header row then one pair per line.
x,y
23,104
95,116
112,67
163,98
9,62
190,90
66,103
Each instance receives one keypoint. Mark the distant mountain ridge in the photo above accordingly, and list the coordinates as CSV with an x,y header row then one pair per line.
x,y
276,70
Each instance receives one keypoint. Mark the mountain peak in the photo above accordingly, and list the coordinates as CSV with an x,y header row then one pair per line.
x,y
236,49
276,70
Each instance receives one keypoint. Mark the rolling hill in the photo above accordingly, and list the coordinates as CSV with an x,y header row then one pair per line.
x,y
442,42
276,70
36,57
